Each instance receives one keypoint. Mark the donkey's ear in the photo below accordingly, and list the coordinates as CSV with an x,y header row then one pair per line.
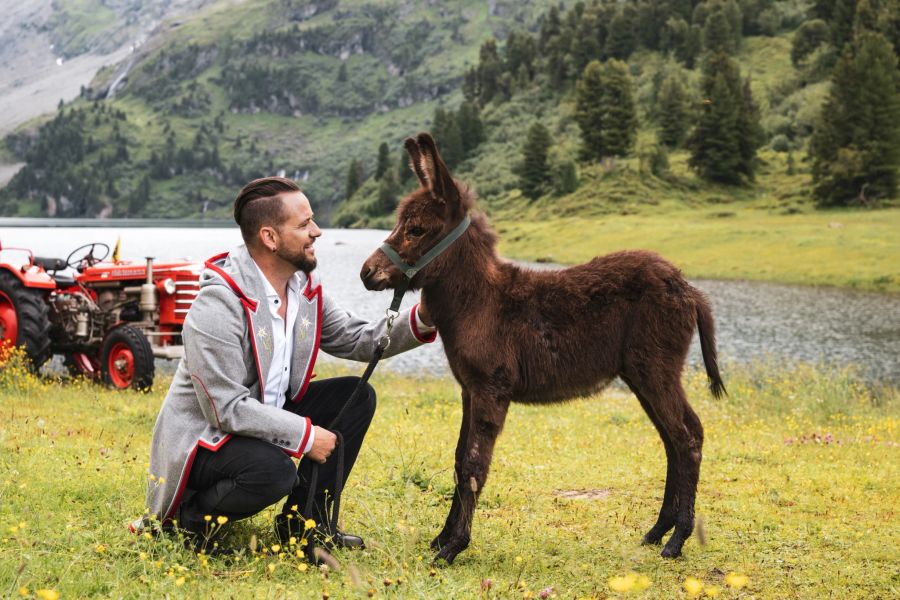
x,y
415,161
441,182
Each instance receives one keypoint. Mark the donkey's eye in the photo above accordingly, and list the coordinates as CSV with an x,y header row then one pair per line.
x,y
415,231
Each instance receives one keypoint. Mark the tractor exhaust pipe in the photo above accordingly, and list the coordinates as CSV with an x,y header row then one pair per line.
x,y
149,303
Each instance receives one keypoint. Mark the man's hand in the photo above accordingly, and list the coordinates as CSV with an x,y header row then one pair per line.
x,y
323,445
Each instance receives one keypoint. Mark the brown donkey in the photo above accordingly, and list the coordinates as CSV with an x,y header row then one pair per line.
x,y
514,334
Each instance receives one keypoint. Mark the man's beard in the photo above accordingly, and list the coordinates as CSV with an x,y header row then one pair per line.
x,y
299,260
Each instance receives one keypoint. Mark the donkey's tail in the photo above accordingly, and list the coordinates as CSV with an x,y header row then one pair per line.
x,y
707,328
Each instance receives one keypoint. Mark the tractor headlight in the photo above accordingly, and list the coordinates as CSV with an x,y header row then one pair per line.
x,y
169,286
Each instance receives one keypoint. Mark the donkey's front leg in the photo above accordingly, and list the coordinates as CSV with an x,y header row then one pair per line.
x,y
461,445
487,414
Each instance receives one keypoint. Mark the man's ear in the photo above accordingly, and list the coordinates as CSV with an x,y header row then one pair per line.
x,y
268,238
441,182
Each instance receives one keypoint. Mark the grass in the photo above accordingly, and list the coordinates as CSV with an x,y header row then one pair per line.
x,y
798,494
768,232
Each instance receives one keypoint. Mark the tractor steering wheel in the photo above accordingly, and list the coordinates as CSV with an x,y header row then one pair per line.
x,y
87,258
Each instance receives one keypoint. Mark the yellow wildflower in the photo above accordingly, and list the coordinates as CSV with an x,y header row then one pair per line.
x,y
162,480
23,591
276,548
221,520
693,586
518,559
47,594
622,584
100,548
309,524
736,580
642,583
271,567
207,518
712,591
302,567
142,555
180,581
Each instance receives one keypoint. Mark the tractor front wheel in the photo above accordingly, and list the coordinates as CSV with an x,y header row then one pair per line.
x,y
126,359
23,319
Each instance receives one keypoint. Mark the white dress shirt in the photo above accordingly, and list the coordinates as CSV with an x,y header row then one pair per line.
x,y
279,378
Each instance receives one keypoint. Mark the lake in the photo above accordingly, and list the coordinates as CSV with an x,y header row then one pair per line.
x,y
754,320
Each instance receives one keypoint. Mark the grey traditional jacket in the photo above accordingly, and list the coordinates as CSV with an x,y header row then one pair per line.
x,y
217,391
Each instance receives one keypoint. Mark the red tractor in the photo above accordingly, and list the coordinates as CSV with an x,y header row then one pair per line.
x,y
108,321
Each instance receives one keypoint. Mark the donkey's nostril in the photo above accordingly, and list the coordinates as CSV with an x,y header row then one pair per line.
x,y
368,272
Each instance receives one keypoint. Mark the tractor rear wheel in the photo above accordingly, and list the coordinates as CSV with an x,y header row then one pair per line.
x,y
126,359
23,319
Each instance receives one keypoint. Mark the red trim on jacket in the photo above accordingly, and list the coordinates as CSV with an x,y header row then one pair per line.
x,y
208,397
259,373
309,293
176,502
426,338
299,451
210,264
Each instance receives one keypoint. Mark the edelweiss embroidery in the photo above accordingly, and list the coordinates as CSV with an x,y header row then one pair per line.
x,y
265,338
306,325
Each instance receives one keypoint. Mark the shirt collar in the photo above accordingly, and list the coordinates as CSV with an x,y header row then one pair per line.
x,y
294,284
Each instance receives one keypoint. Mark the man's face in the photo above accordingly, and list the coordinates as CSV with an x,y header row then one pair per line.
x,y
298,232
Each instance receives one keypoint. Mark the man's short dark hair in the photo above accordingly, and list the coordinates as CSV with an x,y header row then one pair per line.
x,y
258,205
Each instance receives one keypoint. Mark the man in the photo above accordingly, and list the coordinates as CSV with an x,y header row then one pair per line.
x,y
241,403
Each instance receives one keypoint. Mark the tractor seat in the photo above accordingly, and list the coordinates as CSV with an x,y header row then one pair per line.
x,y
63,280
50,264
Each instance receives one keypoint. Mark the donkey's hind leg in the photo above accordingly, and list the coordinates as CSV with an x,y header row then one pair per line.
x,y
444,536
665,396
666,519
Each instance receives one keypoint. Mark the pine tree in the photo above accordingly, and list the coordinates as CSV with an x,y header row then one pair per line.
x,y
452,144
714,142
674,112
843,16
750,132
355,178
342,73
855,147
384,160
589,111
809,36
622,40
470,127
490,68
388,190
619,121
717,33
534,172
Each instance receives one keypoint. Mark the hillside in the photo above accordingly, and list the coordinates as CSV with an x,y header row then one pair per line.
x,y
238,90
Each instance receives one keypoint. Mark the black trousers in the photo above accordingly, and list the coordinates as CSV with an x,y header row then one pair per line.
x,y
247,475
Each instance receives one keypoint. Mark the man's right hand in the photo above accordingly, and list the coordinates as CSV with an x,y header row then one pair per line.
x,y
323,445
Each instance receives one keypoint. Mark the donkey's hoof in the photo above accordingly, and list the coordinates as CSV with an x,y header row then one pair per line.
x,y
440,540
671,551
651,539
449,550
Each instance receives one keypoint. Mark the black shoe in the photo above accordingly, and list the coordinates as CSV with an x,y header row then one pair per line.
x,y
286,528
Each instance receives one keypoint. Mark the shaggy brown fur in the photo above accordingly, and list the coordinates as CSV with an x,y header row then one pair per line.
x,y
514,334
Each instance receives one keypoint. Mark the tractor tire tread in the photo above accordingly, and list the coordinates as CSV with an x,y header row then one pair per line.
x,y
32,313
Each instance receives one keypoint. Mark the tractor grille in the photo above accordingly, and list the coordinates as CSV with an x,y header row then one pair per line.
x,y
185,292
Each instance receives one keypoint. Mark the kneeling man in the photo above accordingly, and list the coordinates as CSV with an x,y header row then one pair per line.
x,y
242,402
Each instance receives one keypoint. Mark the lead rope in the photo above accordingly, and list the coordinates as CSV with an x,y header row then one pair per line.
x,y
332,520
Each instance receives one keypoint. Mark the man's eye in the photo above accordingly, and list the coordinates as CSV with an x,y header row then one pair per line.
x,y
415,231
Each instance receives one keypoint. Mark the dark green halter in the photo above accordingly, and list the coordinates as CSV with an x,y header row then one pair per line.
x,y
409,271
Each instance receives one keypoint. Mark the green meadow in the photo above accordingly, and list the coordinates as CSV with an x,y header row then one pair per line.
x,y
798,497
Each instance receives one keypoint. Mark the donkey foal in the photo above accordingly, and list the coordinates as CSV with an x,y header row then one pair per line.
x,y
513,334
